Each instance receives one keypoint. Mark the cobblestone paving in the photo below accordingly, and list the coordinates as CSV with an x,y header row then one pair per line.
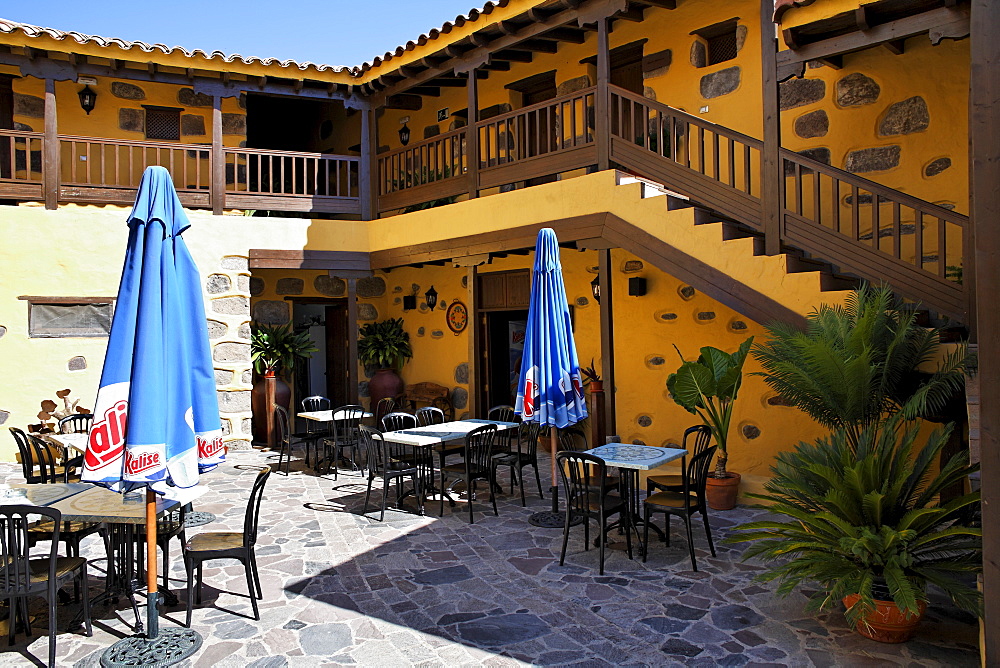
x,y
343,589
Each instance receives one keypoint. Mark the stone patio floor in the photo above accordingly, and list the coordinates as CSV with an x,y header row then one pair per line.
x,y
343,589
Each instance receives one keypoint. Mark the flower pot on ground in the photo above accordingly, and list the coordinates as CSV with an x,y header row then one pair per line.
x,y
386,346
273,350
863,519
722,493
708,388
887,623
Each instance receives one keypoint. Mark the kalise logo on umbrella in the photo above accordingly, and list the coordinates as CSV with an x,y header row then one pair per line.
x,y
529,393
139,462
209,447
107,437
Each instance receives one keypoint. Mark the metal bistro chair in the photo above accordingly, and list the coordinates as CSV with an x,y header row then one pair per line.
x,y
228,545
344,437
572,439
384,406
526,454
314,430
478,465
673,482
22,577
587,498
429,415
284,438
79,423
385,461
685,503
398,420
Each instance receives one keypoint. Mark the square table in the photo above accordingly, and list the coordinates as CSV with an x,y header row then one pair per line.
x,y
629,460
329,417
76,442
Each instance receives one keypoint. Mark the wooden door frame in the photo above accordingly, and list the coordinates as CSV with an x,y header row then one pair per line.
x,y
350,389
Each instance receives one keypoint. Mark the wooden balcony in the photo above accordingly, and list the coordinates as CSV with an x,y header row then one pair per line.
x,y
96,170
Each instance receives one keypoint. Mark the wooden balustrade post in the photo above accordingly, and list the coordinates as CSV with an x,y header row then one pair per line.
x,y
981,261
602,100
475,375
368,183
218,191
472,135
51,170
772,178
352,340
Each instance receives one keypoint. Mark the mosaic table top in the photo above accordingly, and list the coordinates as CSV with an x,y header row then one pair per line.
x,y
639,457
441,433
328,416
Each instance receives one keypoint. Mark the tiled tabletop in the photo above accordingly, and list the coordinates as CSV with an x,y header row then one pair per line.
x,y
638,457
441,433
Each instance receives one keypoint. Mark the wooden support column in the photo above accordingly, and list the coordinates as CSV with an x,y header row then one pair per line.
x,y
472,276
602,101
772,174
984,170
607,340
368,178
218,159
50,154
352,340
472,135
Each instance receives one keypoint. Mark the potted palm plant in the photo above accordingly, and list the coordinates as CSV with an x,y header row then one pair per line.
x,y
274,350
862,516
708,387
386,347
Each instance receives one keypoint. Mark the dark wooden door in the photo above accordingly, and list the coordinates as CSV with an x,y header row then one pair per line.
x,y
336,353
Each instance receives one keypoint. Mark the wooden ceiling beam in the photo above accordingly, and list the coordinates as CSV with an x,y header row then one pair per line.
x,y
539,45
513,55
943,22
479,39
634,13
662,4
497,66
430,91
896,46
571,35
450,82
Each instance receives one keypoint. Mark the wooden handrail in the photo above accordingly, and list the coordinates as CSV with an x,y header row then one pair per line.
x,y
291,154
424,142
20,133
583,92
131,142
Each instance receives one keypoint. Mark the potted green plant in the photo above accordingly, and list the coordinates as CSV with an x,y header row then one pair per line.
x,y
385,346
862,516
274,350
708,387
591,378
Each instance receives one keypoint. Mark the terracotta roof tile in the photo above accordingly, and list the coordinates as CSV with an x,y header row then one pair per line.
x,y
8,27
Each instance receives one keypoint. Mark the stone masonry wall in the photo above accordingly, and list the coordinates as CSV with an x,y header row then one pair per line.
x,y
228,313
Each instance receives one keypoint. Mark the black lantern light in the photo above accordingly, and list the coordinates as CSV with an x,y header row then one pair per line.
x,y
595,286
432,297
88,98
404,135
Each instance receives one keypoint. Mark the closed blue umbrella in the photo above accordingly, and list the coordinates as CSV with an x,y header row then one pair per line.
x,y
156,416
550,389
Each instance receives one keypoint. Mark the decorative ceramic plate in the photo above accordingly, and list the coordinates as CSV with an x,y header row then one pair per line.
x,y
457,317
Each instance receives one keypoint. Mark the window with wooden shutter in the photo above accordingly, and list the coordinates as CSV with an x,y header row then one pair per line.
x,y
163,123
720,41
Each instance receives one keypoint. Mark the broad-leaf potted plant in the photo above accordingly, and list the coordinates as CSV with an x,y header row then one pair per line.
x,y
708,387
862,516
385,346
274,350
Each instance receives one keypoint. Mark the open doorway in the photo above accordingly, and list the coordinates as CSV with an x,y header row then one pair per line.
x,y
504,346
325,373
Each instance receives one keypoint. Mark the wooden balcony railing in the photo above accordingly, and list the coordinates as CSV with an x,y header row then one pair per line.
x,y
99,170
316,182
426,171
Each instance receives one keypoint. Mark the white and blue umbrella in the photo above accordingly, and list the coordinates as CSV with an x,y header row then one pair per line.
x,y
550,389
156,416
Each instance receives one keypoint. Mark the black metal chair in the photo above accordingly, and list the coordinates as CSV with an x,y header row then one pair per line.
x,y
345,437
280,417
526,454
228,545
502,413
390,462
572,439
26,453
78,423
674,482
429,415
685,503
398,420
314,430
478,465
587,498
22,577
384,406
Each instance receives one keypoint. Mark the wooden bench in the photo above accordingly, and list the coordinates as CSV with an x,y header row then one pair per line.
x,y
430,394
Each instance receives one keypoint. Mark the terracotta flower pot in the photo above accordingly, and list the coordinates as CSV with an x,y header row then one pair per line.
x,y
722,492
385,383
887,623
269,391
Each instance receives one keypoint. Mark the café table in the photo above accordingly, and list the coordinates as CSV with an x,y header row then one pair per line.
x,y
423,440
629,460
328,417
122,517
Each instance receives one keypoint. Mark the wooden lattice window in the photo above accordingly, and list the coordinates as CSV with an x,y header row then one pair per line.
x,y
163,123
720,41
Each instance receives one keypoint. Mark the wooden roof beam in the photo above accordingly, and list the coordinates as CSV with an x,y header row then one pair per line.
x,y
571,35
513,55
431,91
634,13
450,82
497,66
539,45
662,4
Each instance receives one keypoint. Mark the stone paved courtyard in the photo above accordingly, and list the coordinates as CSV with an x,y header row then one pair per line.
x,y
343,589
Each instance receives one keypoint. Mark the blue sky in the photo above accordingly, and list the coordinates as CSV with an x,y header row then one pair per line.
x,y
337,32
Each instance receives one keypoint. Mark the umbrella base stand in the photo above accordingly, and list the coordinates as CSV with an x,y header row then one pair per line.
x,y
552,519
171,646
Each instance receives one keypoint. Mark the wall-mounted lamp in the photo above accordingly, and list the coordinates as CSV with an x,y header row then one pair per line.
x,y
595,286
431,297
88,98
636,286
404,134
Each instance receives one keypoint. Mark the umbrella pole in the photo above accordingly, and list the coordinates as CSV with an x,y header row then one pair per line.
x,y
554,448
152,596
